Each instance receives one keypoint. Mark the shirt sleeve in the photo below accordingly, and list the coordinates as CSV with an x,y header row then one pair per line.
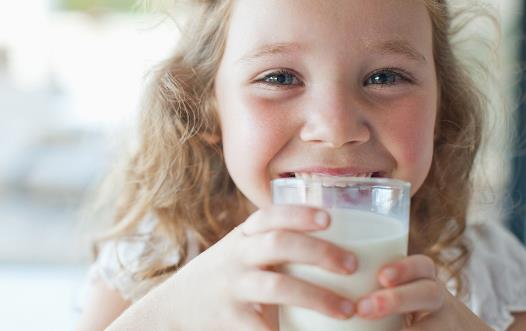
x,y
496,275
120,262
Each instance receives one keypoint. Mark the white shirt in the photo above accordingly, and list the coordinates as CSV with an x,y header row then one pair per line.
x,y
496,275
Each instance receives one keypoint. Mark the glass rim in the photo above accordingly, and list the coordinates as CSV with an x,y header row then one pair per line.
x,y
334,180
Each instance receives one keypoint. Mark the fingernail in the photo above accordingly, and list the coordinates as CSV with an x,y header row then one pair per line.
x,y
390,274
349,263
321,218
346,307
365,307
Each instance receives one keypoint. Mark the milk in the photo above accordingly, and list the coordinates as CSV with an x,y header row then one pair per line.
x,y
375,240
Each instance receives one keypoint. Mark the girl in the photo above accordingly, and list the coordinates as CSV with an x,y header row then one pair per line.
x,y
265,89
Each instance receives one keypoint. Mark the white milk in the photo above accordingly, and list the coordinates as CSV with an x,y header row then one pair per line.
x,y
375,240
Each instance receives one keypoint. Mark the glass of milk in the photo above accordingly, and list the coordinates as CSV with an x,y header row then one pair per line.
x,y
370,217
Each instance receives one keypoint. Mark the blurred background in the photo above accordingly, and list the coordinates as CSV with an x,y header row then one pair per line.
x,y
71,77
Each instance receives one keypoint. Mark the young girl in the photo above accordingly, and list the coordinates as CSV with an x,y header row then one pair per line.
x,y
259,90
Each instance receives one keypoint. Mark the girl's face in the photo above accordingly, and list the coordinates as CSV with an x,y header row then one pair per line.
x,y
327,87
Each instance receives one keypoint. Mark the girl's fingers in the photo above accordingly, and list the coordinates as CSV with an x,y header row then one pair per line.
x,y
290,217
255,320
278,247
420,295
407,270
275,288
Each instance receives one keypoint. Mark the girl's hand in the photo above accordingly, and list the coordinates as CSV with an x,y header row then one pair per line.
x,y
410,287
233,285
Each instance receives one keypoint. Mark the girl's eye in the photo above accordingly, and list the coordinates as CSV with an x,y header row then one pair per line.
x,y
386,77
280,78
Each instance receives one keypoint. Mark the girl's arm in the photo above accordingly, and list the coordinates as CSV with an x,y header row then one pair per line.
x,y
520,322
102,307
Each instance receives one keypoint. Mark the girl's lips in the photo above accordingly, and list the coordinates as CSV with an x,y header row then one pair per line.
x,y
319,172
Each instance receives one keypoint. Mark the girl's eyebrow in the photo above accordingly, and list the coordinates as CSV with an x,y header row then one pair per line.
x,y
394,46
271,49
397,46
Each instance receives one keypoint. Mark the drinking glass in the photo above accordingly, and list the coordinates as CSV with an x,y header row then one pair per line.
x,y
370,217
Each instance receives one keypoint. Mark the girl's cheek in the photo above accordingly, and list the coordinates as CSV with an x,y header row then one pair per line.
x,y
406,129
270,117
414,148
420,137
251,132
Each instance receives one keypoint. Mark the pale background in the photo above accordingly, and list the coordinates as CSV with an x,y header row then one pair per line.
x,y
70,83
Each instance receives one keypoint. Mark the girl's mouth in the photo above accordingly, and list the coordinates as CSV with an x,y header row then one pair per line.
x,y
315,175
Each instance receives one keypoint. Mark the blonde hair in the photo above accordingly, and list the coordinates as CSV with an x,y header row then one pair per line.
x,y
178,174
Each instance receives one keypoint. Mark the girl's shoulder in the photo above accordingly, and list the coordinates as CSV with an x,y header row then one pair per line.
x,y
495,274
120,262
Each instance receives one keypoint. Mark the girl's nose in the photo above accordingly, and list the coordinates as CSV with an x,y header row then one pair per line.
x,y
335,120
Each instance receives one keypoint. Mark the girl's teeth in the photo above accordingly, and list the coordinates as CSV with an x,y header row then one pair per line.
x,y
304,175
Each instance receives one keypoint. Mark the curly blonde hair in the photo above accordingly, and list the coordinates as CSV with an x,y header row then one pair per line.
x,y
177,172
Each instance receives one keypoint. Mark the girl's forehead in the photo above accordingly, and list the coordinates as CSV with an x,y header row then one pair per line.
x,y
347,24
